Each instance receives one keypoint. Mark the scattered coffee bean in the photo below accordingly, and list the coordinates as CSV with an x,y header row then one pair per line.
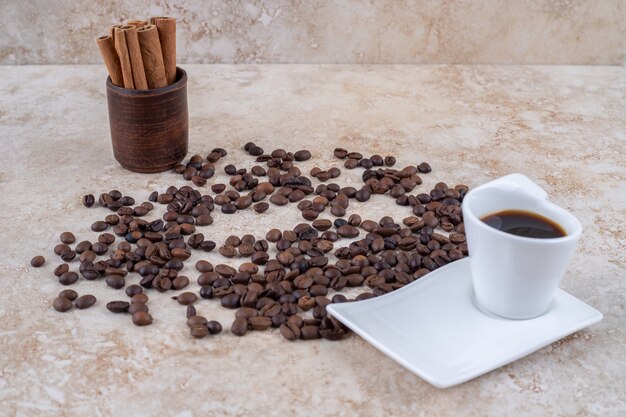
x,y
37,261
214,327
67,237
186,298
118,306
239,326
88,200
141,318
69,294
62,304
85,301
199,331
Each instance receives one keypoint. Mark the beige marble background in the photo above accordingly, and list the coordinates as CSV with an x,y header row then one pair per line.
x,y
339,31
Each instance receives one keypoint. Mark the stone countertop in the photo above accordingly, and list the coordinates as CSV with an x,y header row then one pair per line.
x,y
563,126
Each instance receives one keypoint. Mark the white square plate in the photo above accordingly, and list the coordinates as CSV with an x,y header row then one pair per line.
x,y
433,328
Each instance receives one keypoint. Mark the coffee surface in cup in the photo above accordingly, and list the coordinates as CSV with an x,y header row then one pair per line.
x,y
524,223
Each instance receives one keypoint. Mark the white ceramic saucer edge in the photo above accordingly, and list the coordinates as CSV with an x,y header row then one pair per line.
x,y
345,312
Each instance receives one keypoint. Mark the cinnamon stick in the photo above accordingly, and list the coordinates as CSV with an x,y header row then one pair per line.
x,y
137,23
124,56
152,56
134,52
111,59
112,31
166,27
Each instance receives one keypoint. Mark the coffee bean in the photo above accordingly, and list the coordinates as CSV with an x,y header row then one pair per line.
x,y
88,200
186,298
255,150
310,332
134,289
180,282
204,220
230,301
85,301
347,231
118,306
140,298
204,266
37,261
141,318
214,327
99,226
279,200
62,304
199,331
196,320
68,256
340,153
260,323
115,281
135,307
68,278
239,327
206,292
424,168
69,294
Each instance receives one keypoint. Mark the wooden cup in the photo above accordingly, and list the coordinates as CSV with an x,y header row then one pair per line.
x,y
149,128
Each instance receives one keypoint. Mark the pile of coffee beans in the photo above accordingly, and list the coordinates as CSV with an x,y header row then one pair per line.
x,y
284,280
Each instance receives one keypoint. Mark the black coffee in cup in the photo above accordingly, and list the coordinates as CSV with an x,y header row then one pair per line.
x,y
524,223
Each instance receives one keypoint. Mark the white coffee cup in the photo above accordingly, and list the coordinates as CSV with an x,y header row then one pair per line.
x,y
514,276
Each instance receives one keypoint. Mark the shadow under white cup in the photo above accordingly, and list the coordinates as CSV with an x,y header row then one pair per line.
x,y
514,276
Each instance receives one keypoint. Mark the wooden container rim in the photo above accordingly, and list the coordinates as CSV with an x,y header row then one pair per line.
x,y
180,83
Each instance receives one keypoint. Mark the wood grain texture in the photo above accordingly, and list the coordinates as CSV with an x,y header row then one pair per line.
x,y
149,128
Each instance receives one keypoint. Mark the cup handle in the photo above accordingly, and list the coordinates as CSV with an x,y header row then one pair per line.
x,y
522,182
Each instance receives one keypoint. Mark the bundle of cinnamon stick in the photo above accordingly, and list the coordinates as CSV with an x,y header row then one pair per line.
x,y
141,55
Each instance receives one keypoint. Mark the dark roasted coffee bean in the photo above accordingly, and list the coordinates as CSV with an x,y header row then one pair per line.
x,y
115,281
62,304
199,331
118,306
340,153
69,294
206,292
214,327
204,220
68,256
180,282
196,320
260,323
239,327
302,155
424,168
261,207
67,238
88,200
289,331
204,266
99,226
230,301
37,261
229,208
142,318
61,269
85,301
279,200
68,278
310,332
186,298
135,307
347,231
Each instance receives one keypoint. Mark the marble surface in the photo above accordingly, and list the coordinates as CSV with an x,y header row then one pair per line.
x,y
563,126
322,31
